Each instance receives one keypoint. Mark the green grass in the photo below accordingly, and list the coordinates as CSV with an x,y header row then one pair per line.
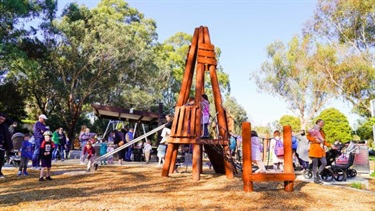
x,y
372,174
372,157
357,185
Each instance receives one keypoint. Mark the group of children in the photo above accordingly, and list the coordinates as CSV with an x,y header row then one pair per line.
x,y
26,153
108,147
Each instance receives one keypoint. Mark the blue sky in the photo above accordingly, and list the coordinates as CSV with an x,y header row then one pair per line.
x,y
242,29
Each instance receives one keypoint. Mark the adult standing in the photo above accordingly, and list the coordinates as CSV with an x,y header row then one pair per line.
x,y
167,129
55,140
39,129
82,143
317,153
117,138
5,139
303,149
62,142
129,137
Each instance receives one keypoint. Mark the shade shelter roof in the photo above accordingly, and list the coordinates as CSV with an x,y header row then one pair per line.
x,y
124,114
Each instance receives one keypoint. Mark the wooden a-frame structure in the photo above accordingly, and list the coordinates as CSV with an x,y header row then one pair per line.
x,y
186,127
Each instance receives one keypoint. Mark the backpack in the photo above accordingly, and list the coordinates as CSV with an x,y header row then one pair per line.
x,y
279,148
294,142
233,143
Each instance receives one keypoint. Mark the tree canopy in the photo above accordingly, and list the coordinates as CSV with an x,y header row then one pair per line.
x,y
293,121
289,74
108,55
336,125
346,28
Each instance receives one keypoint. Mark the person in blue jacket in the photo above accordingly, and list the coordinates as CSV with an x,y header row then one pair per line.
x,y
26,155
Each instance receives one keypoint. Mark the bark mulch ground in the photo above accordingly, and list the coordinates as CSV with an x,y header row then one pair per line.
x,y
141,187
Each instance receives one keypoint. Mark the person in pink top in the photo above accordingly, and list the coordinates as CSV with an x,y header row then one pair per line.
x,y
315,133
205,115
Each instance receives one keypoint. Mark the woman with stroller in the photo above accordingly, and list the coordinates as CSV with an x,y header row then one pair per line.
x,y
317,153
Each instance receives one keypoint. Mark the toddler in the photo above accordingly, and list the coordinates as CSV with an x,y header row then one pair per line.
x,y
90,150
110,148
147,150
103,151
315,133
26,154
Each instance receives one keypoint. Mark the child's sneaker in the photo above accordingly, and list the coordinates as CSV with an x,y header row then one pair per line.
x,y
41,179
19,173
48,178
88,170
25,173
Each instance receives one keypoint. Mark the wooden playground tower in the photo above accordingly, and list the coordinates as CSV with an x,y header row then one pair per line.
x,y
186,128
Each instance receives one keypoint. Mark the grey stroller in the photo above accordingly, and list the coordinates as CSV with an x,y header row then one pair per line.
x,y
14,157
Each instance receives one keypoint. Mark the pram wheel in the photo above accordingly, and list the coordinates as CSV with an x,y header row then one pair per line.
x,y
352,173
327,175
307,174
339,174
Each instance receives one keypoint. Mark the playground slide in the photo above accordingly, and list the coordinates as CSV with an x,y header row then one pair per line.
x,y
130,143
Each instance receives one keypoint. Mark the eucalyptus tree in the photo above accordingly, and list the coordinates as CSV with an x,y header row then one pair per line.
x,y
14,16
346,29
24,49
104,55
288,73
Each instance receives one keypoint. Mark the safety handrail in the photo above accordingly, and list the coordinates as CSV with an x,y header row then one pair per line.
x,y
130,143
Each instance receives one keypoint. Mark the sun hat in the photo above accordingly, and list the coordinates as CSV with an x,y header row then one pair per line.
x,y
43,116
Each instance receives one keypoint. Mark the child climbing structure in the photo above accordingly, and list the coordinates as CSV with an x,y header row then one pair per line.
x,y
186,127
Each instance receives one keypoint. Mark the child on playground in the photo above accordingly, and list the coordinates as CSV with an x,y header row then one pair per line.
x,y
147,150
110,148
315,133
26,152
45,154
90,150
256,152
205,119
161,153
103,151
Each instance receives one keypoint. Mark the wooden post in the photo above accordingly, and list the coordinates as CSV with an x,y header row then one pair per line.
x,y
288,160
167,161
246,151
197,161
189,70
172,164
265,148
